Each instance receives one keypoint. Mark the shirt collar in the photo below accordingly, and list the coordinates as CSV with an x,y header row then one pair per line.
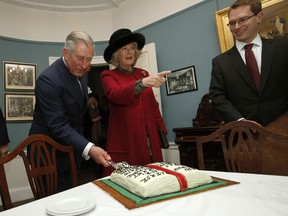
x,y
64,61
257,41
78,78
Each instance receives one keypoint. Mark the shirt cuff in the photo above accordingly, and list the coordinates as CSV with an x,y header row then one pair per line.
x,y
85,153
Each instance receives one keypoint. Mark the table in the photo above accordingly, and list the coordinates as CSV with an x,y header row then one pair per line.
x,y
255,195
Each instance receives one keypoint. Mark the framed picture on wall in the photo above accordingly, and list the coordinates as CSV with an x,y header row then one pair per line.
x,y
181,80
273,25
19,76
19,107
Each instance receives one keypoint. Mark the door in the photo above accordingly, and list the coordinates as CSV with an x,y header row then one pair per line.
x,y
148,61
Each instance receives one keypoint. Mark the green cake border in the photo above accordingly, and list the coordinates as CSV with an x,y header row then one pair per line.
x,y
139,200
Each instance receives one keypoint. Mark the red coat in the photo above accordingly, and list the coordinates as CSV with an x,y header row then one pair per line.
x,y
130,116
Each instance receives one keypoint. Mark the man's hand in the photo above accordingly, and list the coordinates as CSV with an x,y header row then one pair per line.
x,y
98,118
4,150
253,131
100,156
155,80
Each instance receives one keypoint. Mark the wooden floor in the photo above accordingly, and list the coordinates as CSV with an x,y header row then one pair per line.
x,y
89,171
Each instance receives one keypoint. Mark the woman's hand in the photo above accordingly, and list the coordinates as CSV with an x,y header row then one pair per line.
x,y
155,80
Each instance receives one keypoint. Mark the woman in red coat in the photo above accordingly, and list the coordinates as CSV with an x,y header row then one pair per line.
x,y
134,112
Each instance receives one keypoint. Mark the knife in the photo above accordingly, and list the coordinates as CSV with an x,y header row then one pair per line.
x,y
114,165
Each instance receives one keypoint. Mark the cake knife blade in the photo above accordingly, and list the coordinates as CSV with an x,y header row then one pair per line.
x,y
113,164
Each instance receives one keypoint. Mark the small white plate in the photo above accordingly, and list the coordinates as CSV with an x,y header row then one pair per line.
x,y
71,206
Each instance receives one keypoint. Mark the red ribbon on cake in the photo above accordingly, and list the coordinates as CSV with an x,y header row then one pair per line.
x,y
180,177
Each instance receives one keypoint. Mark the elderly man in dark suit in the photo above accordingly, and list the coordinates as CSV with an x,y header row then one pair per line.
x,y
234,92
61,101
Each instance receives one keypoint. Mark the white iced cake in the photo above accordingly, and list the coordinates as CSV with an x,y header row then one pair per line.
x,y
158,178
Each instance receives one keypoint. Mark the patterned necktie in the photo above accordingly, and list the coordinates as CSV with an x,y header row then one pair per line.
x,y
251,65
80,85
81,88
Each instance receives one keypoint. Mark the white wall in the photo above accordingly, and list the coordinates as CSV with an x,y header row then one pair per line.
x,y
171,154
29,24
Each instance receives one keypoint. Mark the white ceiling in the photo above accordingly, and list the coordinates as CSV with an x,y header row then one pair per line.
x,y
51,20
67,6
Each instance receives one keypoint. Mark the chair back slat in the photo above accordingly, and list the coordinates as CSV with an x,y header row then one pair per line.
x,y
244,145
40,165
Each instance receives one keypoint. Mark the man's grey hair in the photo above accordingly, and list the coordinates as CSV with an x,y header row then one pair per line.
x,y
75,37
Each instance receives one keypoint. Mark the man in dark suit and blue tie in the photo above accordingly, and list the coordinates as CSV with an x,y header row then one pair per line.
x,y
234,92
61,101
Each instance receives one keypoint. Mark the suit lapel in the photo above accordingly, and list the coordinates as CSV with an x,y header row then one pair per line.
x,y
74,88
267,53
240,67
84,83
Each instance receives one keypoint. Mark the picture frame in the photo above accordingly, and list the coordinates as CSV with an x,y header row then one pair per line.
x,y
19,76
271,8
19,107
181,80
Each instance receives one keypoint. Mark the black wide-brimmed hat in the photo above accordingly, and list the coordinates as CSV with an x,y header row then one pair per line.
x,y
120,38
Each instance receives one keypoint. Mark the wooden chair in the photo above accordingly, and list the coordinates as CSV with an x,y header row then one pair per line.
x,y
248,147
41,169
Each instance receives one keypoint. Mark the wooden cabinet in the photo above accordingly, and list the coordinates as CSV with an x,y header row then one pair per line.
x,y
186,139
206,122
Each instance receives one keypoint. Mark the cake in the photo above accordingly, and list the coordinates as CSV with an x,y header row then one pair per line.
x,y
158,178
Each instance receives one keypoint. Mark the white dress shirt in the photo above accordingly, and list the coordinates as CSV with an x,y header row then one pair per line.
x,y
257,50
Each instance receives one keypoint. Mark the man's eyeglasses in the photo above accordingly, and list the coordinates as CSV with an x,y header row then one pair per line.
x,y
240,21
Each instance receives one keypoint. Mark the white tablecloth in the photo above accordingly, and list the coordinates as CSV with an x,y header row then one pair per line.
x,y
255,195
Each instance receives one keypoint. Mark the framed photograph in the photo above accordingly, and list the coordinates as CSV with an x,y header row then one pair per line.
x,y
19,76
273,25
181,80
19,107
